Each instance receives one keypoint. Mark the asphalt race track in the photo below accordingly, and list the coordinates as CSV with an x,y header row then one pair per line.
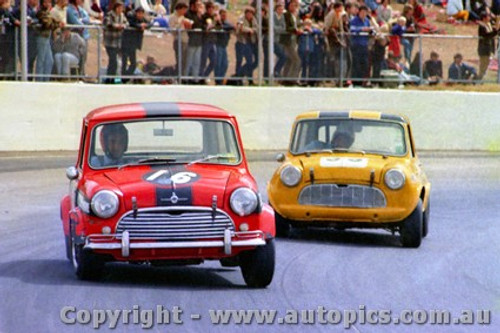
x,y
457,267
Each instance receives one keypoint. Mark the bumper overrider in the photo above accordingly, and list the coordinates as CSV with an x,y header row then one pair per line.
x,y
126,245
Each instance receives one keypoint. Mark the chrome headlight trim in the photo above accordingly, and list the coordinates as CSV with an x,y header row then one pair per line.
x,y
244,201
105,204
290,175
394,179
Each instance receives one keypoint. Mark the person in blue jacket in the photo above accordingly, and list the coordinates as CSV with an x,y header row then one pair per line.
x,y
360,28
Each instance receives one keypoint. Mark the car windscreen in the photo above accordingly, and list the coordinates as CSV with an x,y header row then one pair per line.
x,y
173,140
369,136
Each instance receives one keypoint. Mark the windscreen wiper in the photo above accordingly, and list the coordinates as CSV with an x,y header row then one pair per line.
x,y
210,157
150,160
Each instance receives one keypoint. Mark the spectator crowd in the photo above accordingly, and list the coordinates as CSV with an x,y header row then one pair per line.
x,y
351,42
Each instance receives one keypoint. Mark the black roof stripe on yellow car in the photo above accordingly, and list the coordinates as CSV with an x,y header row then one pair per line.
x,y
161,109
334,114
347,114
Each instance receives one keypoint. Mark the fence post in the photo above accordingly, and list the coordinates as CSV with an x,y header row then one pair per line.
x,y
24,43
99,55
270,49
420,64
341,61
179,55
259,43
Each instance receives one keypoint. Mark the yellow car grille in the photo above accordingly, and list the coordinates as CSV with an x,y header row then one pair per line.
x,y
333,195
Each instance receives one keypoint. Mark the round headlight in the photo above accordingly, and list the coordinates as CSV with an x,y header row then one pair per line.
x,y
104,204
243,201
290,175
394,179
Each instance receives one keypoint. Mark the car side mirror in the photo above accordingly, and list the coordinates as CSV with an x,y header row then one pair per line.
x,y
280,157
72,173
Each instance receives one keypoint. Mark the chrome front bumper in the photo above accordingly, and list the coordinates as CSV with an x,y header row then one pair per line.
x,y
125,244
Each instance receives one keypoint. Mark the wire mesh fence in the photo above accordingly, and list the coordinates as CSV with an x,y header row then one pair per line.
x,y
226,57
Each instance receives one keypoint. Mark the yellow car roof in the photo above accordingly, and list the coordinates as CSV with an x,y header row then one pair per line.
x,y
351,114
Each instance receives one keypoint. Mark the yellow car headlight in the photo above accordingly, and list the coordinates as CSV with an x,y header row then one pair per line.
x,y
290,175
394,179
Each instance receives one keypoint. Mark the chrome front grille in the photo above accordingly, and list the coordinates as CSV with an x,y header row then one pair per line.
x,y
333,195
175,223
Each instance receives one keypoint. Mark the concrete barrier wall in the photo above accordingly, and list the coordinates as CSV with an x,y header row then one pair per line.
x,y
37,116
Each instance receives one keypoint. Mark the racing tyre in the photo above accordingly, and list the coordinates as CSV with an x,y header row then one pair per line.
x,y
412,228
87,265
427,215
257,266
283,226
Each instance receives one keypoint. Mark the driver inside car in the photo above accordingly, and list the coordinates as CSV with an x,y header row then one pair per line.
x,y
114,143
342,139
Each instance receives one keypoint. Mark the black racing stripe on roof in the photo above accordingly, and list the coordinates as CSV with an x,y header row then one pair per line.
x,y
161,109
394,117
334,114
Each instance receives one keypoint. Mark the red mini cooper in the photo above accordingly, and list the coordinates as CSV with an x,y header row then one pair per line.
x,y
162,184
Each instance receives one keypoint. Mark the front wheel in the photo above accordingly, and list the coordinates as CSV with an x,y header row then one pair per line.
x,y
283,226
412,228
87,265
427,215
257,266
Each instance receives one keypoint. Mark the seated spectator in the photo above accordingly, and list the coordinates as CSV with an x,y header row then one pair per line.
x,y
455,9
69,49
384,11
460,71
433,69
423,27
476,8
404,75
160,13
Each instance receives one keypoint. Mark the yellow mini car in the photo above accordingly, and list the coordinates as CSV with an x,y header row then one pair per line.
x,y
351,169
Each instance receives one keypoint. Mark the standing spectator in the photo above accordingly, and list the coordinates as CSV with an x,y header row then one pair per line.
x,y
265,37
433,69
31,10
289,40
132,40
195,41
378,52
246,45
59,11
69,49
455,8
397,31
179,23
93,8
76,15
306,49
208,51
359,44
279,31
334,30
8,22
460,71
224,27
114,24
486,45
48,24
410,29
